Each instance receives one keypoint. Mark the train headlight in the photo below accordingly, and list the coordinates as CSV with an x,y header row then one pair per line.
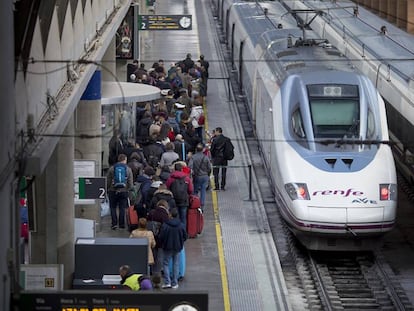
x,y
388,192
297,191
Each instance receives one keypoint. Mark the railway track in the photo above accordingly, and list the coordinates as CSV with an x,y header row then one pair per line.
x,y
356,281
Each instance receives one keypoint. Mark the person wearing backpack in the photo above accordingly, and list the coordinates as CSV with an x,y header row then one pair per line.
x,y
146,181
222,151
119,180
181,186
162,193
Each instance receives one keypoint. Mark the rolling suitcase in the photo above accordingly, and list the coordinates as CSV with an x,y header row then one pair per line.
x,y
194,201
132,218
181,269
195,217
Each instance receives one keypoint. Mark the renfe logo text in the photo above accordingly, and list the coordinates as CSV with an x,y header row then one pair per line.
x,y
344,193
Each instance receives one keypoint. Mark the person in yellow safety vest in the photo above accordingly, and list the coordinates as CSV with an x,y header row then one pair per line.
x,y
128,278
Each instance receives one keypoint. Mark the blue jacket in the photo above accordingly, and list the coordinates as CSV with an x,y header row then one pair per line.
x,y
145,186
173,235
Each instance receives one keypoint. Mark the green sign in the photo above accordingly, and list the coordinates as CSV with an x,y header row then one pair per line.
x,y
165,22
92,188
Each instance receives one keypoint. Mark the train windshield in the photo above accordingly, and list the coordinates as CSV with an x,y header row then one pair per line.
x,y
334,110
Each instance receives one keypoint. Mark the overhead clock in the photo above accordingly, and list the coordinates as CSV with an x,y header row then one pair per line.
x,y
184,306
185,22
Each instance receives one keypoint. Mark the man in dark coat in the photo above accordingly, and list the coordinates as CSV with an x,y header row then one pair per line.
x,y
188,63
116,147
142,130
172,236
218,160
204,75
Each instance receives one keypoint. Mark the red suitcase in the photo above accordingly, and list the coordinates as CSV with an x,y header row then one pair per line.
x,y
132,218
194,201
195,222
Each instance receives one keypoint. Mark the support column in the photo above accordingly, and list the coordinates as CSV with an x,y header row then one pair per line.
x,y
53,240
9,237
88,122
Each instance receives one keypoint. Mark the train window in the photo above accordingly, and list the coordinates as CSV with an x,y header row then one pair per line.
x,y
335,117
370,125
297,124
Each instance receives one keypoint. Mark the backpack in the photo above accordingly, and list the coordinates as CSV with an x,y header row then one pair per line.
x,y
142,131
179,188
153,154
120,175
228,152
155,227
153,161
201,120
135,194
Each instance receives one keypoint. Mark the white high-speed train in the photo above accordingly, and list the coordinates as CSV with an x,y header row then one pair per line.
x,y
321,125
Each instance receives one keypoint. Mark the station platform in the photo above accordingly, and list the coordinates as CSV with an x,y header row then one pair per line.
x,y
235,258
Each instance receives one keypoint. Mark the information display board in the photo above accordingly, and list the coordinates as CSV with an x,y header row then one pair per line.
x,y
165,22
104,300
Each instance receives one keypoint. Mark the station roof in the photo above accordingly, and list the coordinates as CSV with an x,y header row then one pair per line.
x,y
128,92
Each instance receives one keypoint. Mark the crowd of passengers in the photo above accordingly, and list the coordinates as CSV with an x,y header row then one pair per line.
x,y
166,130
185,74
168,144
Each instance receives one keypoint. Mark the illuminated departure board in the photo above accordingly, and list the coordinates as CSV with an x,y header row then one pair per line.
x,y
165,22
116,300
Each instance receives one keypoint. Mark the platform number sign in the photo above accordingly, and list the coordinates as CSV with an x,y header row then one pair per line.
x,y
92,188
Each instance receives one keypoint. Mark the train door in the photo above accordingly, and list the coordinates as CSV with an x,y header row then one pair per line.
x,y
241,67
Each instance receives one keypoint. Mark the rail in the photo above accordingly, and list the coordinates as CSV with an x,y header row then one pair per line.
x,y
250,167
398,304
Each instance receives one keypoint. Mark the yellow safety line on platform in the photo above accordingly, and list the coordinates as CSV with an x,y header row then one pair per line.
x,y
223,271
222,263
